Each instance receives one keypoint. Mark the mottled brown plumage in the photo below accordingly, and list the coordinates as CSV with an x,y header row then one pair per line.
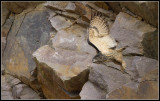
x,y
100,38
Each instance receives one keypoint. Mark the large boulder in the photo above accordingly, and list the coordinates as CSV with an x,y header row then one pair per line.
x,y
141,38
29,31
63,67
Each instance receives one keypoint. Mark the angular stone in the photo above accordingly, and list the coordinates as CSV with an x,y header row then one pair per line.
x,y
56,5
107,78
92,92
141,38
59,22
146,90
67,69
144,65
73,38
71,7
147,10
22,91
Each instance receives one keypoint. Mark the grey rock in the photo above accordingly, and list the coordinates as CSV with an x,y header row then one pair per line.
x,y
91,92
107,78
144,65
6,93
71,7
22,91
59,22
139,36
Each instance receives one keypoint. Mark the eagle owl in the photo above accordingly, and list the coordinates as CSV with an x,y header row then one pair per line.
x,y
99,38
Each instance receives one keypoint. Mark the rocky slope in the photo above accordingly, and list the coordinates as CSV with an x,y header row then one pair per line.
x,y
45,53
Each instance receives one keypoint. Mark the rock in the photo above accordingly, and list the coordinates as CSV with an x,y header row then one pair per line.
x,y
115,6
6,93
67,63
83,11
140,37
12,81
73,38
107,13
13,7
18,7
71,7
143,90
22,91
91,92
3,43
59,22
147,10
56,5
107,78
29,31
144,65
7,26
71,16
102,5
5,14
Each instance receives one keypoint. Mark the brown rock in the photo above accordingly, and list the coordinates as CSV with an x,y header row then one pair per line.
x,y
18,7
107,13
115,6
17,57
56,5
102,5
13,7
147,10
84,11
146,90
5,13
139,36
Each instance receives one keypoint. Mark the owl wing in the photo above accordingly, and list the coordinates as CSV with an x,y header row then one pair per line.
x,y
99,35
